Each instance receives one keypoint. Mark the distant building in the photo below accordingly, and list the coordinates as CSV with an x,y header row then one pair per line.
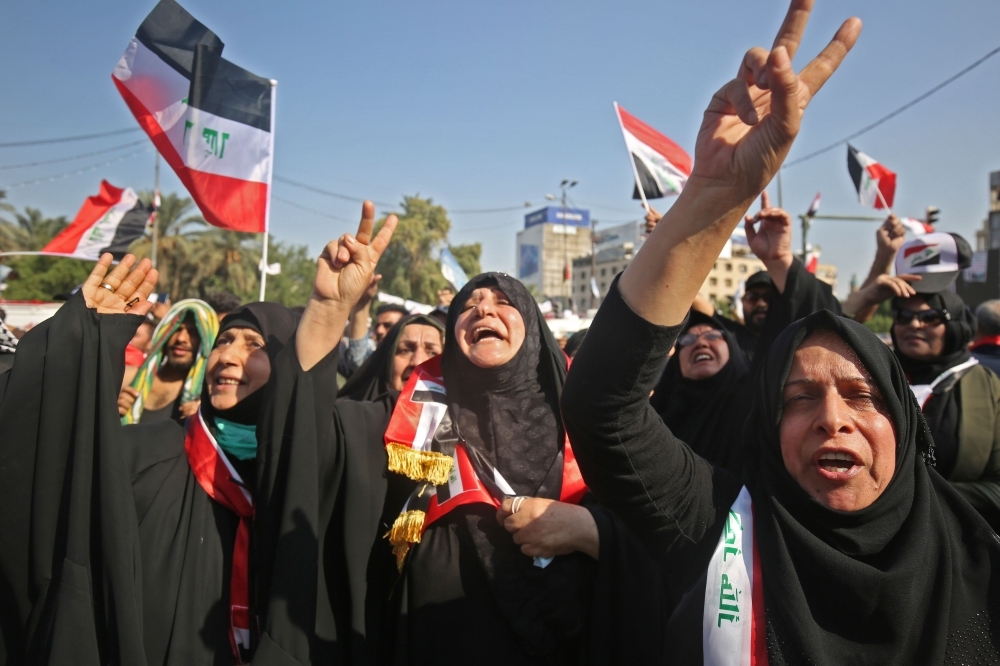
x,y
988,238
551,239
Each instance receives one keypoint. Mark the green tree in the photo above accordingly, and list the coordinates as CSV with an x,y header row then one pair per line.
x,y
881,321
37,278
407,266
179,227
298,272
467,257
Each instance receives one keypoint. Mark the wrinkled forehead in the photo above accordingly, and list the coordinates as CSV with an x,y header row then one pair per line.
x,y
240,332
486,292
420,331
824,356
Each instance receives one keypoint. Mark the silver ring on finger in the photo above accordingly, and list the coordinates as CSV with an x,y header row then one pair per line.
x,y
518,501
105,285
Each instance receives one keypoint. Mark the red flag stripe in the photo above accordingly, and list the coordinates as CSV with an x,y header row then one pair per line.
x,y
92,210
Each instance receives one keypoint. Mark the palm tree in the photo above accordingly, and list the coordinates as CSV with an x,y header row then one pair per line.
x,y
31,230
178,226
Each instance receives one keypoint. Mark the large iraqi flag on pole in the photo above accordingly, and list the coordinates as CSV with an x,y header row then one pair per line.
x,y
660,166
107,222
211,120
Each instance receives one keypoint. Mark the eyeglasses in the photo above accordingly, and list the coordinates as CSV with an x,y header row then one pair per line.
x,y
691,338
926,317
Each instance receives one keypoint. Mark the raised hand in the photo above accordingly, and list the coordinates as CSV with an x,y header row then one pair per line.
x,y
346,267
773,240
890,236
751,122
123,290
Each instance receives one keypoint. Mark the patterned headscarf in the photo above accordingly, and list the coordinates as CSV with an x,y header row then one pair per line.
x,y
208,327
8,343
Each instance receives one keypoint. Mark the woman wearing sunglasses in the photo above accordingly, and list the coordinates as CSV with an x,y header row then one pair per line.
x,y
931,332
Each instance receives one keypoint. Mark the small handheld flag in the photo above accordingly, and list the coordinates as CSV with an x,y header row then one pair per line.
x,y
211,120
107,222
915,226
452,270
659,165
814,206
875,184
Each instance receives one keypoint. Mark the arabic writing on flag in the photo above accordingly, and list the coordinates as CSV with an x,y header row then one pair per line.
x,y
210,119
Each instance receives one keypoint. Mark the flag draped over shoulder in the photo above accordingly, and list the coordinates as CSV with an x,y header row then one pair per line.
x,y
871,179
207,324
661,166
107,222
210,119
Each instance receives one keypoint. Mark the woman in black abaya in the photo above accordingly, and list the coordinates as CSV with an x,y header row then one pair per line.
x,y
518,585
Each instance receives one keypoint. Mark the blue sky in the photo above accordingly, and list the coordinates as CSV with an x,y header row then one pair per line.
x,y
489,105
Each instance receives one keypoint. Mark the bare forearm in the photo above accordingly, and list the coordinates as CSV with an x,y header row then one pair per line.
x,y
320,330
880,266
358,326
662,281
778,270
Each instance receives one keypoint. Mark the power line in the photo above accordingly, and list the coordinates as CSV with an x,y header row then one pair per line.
x,y
80,137
470,211
76,172
897,111
74,157
328,193
307,209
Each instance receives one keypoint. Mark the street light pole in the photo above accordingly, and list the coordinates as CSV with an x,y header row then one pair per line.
x,y
566,185
593,263
807,223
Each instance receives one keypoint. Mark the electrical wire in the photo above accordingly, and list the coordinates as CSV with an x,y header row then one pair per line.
x,y
895,113
79,137
328,193
308,210
472,211
76,172
74,157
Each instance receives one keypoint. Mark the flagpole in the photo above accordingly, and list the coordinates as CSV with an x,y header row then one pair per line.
x,y
156,204
267,205
631,160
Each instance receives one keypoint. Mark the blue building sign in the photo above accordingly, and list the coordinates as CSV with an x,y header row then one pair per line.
x,y
574,217
529,261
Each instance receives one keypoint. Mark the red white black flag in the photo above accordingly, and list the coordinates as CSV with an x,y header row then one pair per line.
x,y
210,119
915,226
814,206
875,184
107,222
661,166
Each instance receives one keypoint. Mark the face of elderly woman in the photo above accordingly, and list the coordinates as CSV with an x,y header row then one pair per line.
x,y
837,441
237,366
489,329
704,357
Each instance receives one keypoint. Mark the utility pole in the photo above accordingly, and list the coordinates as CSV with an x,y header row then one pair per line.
x,y
807,223
156,204
593,263
566,185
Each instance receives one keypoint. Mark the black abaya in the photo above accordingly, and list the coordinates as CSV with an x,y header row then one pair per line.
x,y
908,580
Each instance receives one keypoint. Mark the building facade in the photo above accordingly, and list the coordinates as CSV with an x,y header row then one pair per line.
x,y
551,240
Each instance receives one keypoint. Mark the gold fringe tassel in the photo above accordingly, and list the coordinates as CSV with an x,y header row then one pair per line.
x,y
405,532
429,466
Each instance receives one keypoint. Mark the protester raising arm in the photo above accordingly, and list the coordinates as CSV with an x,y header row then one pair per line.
x,y
888,239
746,133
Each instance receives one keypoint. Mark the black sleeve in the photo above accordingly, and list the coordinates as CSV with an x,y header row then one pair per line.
x,y
804,294
320,487
69,552
673,500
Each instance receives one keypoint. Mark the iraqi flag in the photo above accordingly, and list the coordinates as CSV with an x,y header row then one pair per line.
x,y
661,166
107,222
870,178
211,120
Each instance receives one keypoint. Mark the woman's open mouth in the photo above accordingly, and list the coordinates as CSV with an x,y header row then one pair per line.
x,y
701,356
838,465
484,333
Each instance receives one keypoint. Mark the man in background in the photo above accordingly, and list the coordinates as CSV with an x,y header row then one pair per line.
x,y
986,345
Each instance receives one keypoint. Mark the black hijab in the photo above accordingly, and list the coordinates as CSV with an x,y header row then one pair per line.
x,y
374,377
510,413
276,324
707,414
907,580
943,412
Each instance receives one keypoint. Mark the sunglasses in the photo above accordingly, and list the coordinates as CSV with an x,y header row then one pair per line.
x,y
926,317
691,338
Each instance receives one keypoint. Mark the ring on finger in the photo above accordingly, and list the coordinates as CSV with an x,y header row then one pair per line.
x,y
516,505
105,285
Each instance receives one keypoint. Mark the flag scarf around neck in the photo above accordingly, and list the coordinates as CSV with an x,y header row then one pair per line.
x,y
662,166
211,120
207,324
109,221
733,628
220,481
422,445
870,178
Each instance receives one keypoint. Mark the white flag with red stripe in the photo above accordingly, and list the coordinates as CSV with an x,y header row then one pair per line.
x,y
107,222
210,119
811,260
875,184
661,166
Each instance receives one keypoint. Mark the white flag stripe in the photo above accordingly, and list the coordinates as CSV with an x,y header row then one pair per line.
x,y
430,418
666,174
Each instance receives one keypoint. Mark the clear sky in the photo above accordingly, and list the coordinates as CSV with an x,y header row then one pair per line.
x,y
489,105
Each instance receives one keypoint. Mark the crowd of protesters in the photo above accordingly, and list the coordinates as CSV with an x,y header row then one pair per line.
x,y
218,483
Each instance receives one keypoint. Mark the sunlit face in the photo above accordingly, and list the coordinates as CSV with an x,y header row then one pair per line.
x,y
704,357
183,344
384,322
417,343
918,340
837,440
237,366
489,329
755,302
